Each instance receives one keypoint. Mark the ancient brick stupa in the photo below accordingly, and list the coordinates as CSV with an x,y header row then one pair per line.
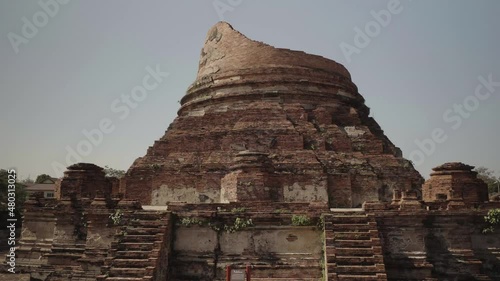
x,y
262,174
301,114
455,181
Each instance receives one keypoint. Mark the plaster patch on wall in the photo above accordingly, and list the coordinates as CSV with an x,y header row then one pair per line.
x,y
236,243
352,131
195,239
305,193
277,241
165,194
101,239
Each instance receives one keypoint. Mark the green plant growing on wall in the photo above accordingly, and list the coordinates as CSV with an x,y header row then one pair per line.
x,y
116,217
191,221
155,167
239,224
301,220
238,210
215,226
321,223
493,221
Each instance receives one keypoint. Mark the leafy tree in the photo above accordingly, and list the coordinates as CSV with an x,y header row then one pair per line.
x,y
20,192
26,181
493,220
110,172
43,177
488,176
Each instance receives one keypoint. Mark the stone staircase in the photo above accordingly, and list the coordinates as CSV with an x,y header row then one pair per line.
x,y
494,266
142,249
352,247
469,262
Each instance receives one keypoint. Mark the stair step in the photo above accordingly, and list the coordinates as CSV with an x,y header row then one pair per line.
x,y
342,277
346,260
351,235
352,243
348,219
145,230
352,269
135,246
127,272
147,216
146,223
350,252
353,227
132,254
132,263
139,238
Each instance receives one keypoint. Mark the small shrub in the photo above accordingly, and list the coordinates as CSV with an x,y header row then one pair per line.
x,y
239,224
301,220
238,210
116,217
493,220
191,221
215,226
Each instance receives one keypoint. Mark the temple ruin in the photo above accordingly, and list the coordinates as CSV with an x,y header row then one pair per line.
x,y
273,168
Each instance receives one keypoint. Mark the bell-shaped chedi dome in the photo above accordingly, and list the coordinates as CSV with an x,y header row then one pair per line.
x,y
455,181
230,60
268,124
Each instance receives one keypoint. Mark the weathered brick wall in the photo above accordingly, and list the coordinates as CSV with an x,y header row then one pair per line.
x,y
37,231
83,180
69,237
202,252
455,181
253,54
438,244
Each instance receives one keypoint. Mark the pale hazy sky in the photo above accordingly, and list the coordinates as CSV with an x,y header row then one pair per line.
x,y
65,66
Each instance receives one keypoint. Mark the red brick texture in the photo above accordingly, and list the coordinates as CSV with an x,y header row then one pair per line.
x,y
455,181
301,110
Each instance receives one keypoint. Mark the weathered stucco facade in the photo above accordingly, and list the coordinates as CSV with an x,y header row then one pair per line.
x,y
273,164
